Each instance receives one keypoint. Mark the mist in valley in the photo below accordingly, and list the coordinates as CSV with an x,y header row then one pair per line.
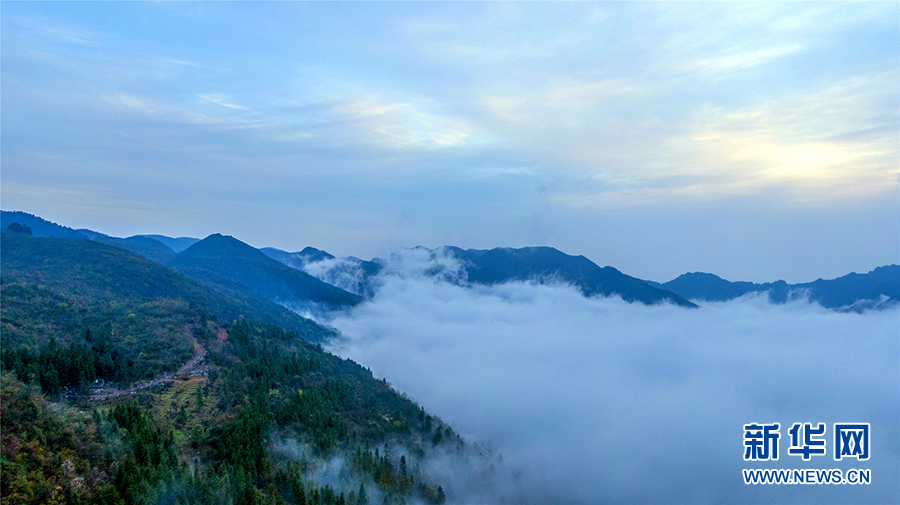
x,y
600,400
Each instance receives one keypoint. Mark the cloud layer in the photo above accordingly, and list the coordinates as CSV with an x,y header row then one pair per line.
x,y
598,400
365,126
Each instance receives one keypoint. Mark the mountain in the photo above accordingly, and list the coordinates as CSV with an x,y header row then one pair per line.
x,y
313,278
148,248
548,264
176,244
855,289
126,382
72,270
149,243
878,288
311,254
39,227
219,258
349,273
484,267
712,288
297,259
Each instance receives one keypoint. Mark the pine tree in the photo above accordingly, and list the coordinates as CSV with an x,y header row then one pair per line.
x,y
361,498
404,476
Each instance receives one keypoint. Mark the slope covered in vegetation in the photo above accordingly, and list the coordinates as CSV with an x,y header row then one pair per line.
x,y
255,417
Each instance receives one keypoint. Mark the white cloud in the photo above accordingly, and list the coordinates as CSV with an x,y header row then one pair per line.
x,y
604,401
403,125
345,273
834,144
161,111
741,58
221,100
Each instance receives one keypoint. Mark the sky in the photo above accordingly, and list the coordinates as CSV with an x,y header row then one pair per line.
x,y
596,400
757,141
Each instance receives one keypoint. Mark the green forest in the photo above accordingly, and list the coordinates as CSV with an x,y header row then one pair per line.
x,y
124,382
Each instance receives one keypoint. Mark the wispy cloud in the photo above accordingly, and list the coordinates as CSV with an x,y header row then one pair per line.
x,y
740,58
52,31
403,125
221,100
164,112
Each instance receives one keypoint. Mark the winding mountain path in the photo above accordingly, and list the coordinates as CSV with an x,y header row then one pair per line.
x,y
195,366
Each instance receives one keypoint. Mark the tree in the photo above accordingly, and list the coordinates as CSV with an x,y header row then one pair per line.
x,y
404,476
50,381
199,398
19,228
361,498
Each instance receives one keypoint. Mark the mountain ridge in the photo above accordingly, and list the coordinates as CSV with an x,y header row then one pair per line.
x,y
176,244
852,291
236,261
313,278
542,263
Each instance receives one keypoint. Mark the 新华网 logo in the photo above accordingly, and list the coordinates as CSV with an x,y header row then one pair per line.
x,y
851,440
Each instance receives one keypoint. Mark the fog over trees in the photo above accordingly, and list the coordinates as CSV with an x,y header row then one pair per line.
x,y
592,400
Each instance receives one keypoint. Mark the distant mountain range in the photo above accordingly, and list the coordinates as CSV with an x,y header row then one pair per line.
x,y
313,279
496,266
546,264
878,288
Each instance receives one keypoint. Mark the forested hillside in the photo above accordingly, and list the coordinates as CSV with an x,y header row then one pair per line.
x,y
125,382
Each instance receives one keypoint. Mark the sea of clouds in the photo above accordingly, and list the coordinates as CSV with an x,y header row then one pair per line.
x,y
600,400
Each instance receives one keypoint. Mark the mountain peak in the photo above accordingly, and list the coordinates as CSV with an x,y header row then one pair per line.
x,y
218,245
311,254
700,275
219,259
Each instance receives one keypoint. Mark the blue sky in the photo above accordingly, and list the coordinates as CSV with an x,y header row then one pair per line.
x,y
756,141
